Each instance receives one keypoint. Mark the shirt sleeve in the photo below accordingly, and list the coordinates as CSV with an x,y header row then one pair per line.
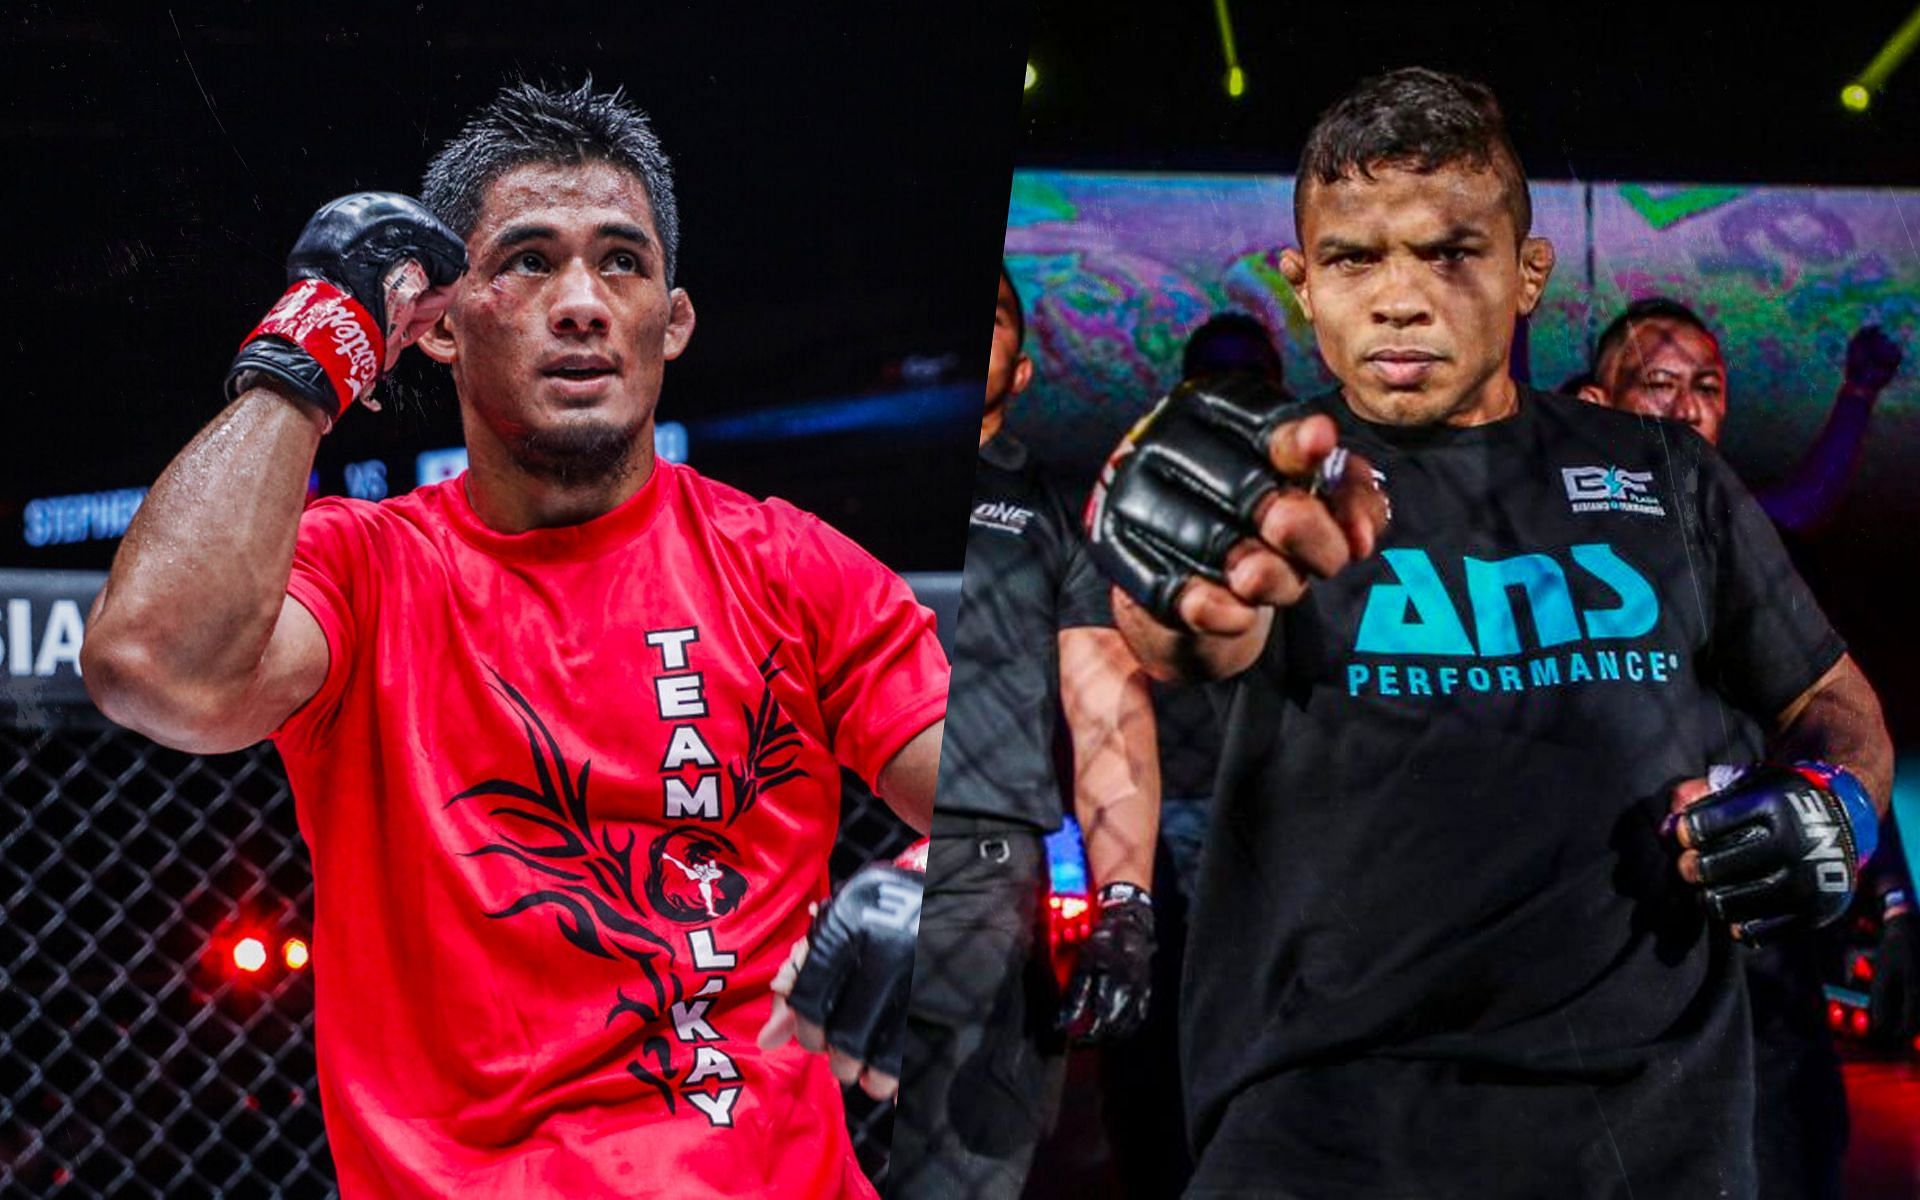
x,y
1770,641
331,567
1085,596
882,675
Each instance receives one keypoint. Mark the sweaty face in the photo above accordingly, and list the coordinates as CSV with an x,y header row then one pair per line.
x,y
1668,368
1413,283
559,332
1007,368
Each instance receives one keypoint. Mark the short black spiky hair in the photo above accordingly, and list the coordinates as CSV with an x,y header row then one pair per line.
x,y
530,123
1418,120
1647,308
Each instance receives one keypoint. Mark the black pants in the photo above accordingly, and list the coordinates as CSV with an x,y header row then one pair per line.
x,y
983,1064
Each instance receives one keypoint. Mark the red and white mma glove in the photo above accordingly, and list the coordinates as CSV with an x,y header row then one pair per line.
x,y
1781,847
353,278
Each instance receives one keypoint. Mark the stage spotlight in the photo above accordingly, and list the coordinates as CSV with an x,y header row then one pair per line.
x,y
1858,94
1033,77
294,953
249,954
1236,80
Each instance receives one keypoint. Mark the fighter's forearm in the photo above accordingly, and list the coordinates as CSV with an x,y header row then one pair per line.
x,y
1180,656
1838,721
200,578
1116,754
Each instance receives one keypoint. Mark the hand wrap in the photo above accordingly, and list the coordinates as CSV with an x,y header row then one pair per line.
x,y
1183,487
1782,847
328,338
859,965
1112,979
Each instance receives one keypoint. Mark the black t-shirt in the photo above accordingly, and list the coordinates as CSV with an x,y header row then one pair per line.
x,y
1435,886
1028,577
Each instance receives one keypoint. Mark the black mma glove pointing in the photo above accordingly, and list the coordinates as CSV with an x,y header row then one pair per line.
x,y
1113,975
1778,848
354,278
1193,479
853,974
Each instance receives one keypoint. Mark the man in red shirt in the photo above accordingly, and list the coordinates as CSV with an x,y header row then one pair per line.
x,y
564,733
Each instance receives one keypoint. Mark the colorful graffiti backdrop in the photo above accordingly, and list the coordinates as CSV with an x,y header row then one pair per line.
x,y
1118,269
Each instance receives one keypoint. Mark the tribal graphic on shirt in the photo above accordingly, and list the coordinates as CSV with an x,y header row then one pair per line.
x,y
608,904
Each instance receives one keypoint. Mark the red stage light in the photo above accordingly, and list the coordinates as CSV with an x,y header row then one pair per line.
x,y
249,954
1858,1022
1836,1014
1862,967
295,954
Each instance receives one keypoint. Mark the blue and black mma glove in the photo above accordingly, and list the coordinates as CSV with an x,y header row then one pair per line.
x,y
1183,486
1781,847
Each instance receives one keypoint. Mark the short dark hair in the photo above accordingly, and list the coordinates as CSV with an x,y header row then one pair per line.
x,y
1223,326
1019,312
530,123
1647,308
1414,119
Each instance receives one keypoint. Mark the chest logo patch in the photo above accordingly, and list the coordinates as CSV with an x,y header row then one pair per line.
x,y
1611,489
1001,515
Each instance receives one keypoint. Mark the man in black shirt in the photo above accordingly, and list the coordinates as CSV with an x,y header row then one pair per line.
x,y
987,1029
1451,939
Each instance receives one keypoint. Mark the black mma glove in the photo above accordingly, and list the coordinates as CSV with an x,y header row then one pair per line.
x,y
328,338
1893,1008
1183,485
859,965
1781,847
1113,974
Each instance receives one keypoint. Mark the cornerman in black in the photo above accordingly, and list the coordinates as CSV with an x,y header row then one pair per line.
x,y
987,1030
1468,922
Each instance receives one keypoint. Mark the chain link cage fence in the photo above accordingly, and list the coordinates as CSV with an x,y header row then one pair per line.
x,y
137,1056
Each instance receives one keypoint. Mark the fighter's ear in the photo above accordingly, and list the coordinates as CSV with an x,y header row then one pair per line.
x,y
680,320
1536,264
1022,374
1293,267
437,343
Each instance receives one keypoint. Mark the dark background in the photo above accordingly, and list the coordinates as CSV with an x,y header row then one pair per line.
x,y
842,173
1699,92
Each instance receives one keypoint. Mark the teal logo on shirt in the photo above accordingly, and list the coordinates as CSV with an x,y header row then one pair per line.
x,y
1416,616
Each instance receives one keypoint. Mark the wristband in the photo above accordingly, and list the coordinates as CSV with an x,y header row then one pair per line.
x,y
1124,893
335,329
1862,831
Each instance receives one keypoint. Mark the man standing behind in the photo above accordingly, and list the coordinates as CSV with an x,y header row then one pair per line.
x,y
985,1052
1443,946
1659,359
512,705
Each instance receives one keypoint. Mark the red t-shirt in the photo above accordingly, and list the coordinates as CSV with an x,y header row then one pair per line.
x,y
569,794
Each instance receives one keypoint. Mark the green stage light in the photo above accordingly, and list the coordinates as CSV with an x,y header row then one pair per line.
x,y
1033,77
1855,97
1236,82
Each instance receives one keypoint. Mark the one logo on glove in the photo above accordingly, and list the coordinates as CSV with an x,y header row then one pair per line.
x,y
1831,859
688,880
